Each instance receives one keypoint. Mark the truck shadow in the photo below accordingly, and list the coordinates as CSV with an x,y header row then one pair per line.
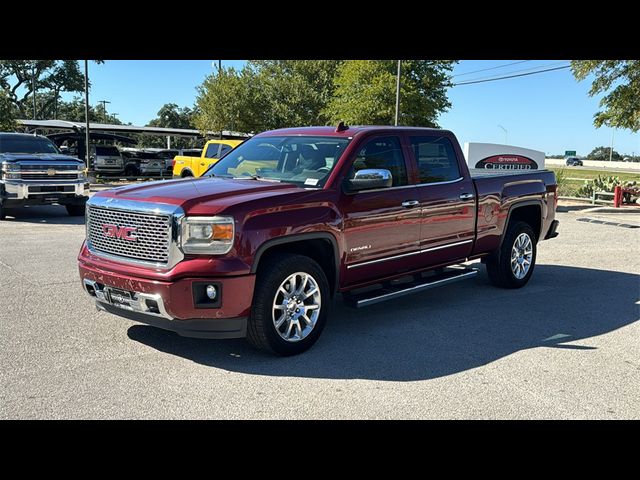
x,y
48,214
440,332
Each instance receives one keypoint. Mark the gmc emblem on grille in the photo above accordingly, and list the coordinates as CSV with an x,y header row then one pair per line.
x,y
124,233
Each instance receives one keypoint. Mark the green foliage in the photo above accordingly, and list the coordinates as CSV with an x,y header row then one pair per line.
x,y
7,114
52,77
621,79
563,183
602,153
602,183
269,94
366,90
73,111
171,116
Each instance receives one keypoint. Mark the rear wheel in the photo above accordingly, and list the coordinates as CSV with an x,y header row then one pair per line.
x,y
512,265
75,210
290,304
131,171
186,173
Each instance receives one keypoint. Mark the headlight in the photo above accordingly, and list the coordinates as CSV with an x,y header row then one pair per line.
x,y
11,176
207,235
10,167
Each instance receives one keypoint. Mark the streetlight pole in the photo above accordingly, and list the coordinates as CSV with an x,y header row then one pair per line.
x,y
104,109
33,86
506,134
90,173
398,92
613,133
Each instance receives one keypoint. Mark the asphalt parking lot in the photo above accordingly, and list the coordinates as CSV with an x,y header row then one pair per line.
x,y
565,346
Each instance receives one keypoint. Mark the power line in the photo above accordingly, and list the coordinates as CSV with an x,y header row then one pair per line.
x,y
511,76
537,67
491,68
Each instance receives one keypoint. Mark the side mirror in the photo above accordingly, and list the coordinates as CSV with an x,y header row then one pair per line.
x,y
370,178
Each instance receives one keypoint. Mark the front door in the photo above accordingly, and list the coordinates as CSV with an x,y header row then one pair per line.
x,y
381,234
210,156
447,201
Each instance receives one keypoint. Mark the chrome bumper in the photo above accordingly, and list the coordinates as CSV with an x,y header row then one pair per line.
x,y
19,190
148,304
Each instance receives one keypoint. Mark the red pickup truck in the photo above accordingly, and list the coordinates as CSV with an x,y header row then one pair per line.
x,y
260,244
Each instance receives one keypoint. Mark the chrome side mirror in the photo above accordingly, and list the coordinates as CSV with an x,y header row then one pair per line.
x,y
370,178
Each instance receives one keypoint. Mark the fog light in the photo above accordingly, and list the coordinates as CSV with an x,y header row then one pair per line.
x,y
212,292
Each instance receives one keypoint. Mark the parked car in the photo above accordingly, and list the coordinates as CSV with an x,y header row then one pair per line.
x,y
260,243
188,166
573,162
34,172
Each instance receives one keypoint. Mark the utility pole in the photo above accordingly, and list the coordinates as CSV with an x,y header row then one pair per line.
x,y
613,133
219,66
398,91
90,172
506,135
33,86
104,109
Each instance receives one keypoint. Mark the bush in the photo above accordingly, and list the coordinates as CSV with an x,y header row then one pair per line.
x,y
601,183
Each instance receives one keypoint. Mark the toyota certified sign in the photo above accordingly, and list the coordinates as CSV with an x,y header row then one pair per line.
x,y
507,162
123,233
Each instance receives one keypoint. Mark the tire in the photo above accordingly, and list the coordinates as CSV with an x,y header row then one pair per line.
x,y
277,270
499,264
3,212
186,174
75,210
131,171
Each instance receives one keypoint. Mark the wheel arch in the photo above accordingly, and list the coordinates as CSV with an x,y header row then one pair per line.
x,y
529,211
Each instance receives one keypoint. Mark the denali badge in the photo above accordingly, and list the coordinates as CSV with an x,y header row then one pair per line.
x,y
124,233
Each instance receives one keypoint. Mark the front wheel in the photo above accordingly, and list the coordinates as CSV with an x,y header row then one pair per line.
x,y
289,305
512,265
3,212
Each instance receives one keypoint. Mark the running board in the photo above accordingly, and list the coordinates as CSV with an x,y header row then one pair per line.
x,y
419,284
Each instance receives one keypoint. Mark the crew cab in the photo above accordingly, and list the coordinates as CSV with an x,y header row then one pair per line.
x,y
260,244
34,172
188,166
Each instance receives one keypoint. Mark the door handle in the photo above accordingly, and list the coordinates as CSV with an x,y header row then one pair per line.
x,y
202,164
466,196
410,203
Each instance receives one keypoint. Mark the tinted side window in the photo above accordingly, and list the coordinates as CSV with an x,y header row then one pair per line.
x,y
382,152
436,158
212,150
224,149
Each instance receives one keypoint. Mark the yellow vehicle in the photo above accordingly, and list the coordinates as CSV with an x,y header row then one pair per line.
x,y
184,166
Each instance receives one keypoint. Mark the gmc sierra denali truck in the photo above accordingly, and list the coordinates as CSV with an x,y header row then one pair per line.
x,y
259,245
34,172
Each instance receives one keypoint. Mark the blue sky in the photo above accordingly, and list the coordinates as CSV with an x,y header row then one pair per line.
x,y
549,111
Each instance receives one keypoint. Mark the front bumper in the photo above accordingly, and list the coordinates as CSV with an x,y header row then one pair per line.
x,y
170,305
20,191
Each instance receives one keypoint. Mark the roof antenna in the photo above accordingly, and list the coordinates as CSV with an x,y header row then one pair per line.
x,y
342,127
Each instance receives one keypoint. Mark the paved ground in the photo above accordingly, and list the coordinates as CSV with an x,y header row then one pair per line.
x,y
566,346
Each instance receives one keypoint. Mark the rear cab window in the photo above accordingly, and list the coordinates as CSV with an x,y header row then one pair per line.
x,y
436,159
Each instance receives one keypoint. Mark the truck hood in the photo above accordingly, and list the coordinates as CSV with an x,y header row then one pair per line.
x,y
37,157
190,192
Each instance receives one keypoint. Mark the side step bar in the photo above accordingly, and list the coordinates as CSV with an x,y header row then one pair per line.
x,y
419,284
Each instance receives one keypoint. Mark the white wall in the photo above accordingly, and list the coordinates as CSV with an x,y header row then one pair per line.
x,y
557,162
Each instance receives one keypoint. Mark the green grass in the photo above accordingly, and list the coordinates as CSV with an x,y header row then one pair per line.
x,y
569,186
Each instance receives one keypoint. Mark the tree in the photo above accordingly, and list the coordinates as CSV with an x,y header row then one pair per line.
x,y
365,92
230,100
602,153
170,115
52,77
621,78
73,111
7,114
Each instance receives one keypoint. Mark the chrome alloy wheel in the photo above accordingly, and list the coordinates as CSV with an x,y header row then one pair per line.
x,y
521,256
296,307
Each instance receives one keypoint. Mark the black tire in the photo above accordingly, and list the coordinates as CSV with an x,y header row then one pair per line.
x,y
75,210
186,174
131,171
499,263
261,331
3,212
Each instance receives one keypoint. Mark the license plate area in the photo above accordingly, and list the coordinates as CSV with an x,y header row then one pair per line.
x,y
118,297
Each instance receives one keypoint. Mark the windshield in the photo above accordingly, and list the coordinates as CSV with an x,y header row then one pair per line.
x,y
303,160
26,144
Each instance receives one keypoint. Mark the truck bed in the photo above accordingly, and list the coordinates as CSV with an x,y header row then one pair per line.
x,y
485,173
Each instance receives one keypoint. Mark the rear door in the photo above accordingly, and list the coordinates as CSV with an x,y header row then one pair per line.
x,y
447,200
381,234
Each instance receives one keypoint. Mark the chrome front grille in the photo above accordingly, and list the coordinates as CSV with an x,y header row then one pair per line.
x,y
153,234
46,176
